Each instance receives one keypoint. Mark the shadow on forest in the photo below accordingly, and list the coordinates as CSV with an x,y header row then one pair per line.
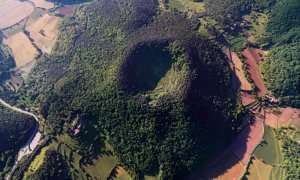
x,y
234,156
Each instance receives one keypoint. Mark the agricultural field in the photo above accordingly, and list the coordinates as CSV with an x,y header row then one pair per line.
x,y
119,173
259,170
229,167
102,167
44,32
67,9
13,11
268,151
253,59
24,52
285,116
43,4
230,164
187,6
276,157
237,67
35,15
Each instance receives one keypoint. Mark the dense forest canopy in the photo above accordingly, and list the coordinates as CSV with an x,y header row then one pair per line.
x,y
151,83
291,152
281,70
15,130
85,76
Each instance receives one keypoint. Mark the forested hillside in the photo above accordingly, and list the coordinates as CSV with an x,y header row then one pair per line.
x,y
6,62
15,130
151,128
281,70
53,166
281,36
290,151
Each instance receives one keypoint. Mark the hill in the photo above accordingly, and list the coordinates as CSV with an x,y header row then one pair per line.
x,y
15,131
144,81
281,70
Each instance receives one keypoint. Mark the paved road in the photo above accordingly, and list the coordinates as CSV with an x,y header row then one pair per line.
x,y
32,141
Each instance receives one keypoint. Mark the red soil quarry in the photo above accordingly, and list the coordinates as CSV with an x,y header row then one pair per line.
x,y
67,9
253,58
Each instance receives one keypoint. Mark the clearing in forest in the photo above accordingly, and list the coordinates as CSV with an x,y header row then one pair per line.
x,y
257,22
187,6
44,32
102,166
24,52
237,66
13,11
43,4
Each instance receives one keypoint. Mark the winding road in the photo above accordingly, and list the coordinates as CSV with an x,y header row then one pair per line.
x,y
31,143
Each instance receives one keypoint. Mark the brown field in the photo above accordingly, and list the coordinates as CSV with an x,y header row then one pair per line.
x,y
43,4
271,119
23,52
247,140
237,66
247,98
13,11
233,166
44,32
231,163
253,60
67,9
289,117
285,117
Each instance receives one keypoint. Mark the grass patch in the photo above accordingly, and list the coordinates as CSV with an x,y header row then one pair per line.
x,y
187,6
152,177
39,159
124,176
102,166
36,14
268,150
202,29
259,170
238,43
257,23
